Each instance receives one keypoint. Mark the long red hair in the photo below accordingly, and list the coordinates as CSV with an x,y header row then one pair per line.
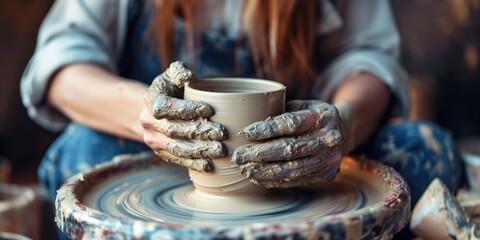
x,y
281,35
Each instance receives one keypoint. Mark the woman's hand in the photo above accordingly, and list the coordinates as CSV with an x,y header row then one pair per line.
x,y
178,130
308,148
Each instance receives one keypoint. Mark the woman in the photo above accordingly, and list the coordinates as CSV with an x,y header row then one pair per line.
x,y
95,59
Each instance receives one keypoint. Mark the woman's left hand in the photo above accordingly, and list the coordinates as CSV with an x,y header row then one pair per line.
x,y
301,147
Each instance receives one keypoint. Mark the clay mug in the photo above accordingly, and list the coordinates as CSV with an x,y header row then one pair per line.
x,y
237,102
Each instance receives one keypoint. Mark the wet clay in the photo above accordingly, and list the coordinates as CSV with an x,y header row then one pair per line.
x,y
169,82
200,129
144,197
196,149
167,85
171,108
294,172
312,154
237,103
284,124
291,122
182,119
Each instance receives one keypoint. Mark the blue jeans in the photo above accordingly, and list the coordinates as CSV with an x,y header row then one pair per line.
x,y
420,151
78,149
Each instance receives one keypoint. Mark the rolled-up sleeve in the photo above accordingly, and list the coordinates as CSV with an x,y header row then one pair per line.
x,y
368,41
73,31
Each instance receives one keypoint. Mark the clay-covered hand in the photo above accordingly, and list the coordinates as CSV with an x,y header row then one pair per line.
x,y
178,130
299,147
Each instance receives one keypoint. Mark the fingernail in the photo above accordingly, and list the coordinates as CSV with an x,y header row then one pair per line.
x,y
207,166
238,156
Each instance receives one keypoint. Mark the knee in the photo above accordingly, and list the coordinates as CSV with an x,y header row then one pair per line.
x,y
420,151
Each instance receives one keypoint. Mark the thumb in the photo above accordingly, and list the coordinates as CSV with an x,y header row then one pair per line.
x,y
178,74
284,124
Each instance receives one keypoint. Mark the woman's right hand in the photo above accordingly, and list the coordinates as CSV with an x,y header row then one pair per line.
x,y
178,130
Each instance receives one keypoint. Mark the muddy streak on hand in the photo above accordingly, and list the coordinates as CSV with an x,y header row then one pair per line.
x,y
293,122
195,149
178,74
160,86
167,107
201,165
168,85
200,129
170,81
287,148
284,124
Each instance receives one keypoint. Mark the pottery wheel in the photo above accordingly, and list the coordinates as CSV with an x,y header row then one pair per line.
x,y
167,195
144,198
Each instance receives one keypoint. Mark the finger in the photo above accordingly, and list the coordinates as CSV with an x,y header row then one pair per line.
x,y
169,82
293,123
154,139
201,165
174,108
160,86
289,148
200,129
326,165
196,149
280,125
315,110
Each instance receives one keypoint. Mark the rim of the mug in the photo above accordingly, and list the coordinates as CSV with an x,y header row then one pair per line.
x,y
276,87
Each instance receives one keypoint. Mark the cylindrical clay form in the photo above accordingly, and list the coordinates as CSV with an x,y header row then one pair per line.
x,y
237,102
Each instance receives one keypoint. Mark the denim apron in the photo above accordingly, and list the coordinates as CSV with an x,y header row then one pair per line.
x,y
419,151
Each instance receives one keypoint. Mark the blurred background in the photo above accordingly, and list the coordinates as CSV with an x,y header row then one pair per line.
x,y
440,51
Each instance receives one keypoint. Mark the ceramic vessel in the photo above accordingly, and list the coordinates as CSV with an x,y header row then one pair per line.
x,y
237,102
